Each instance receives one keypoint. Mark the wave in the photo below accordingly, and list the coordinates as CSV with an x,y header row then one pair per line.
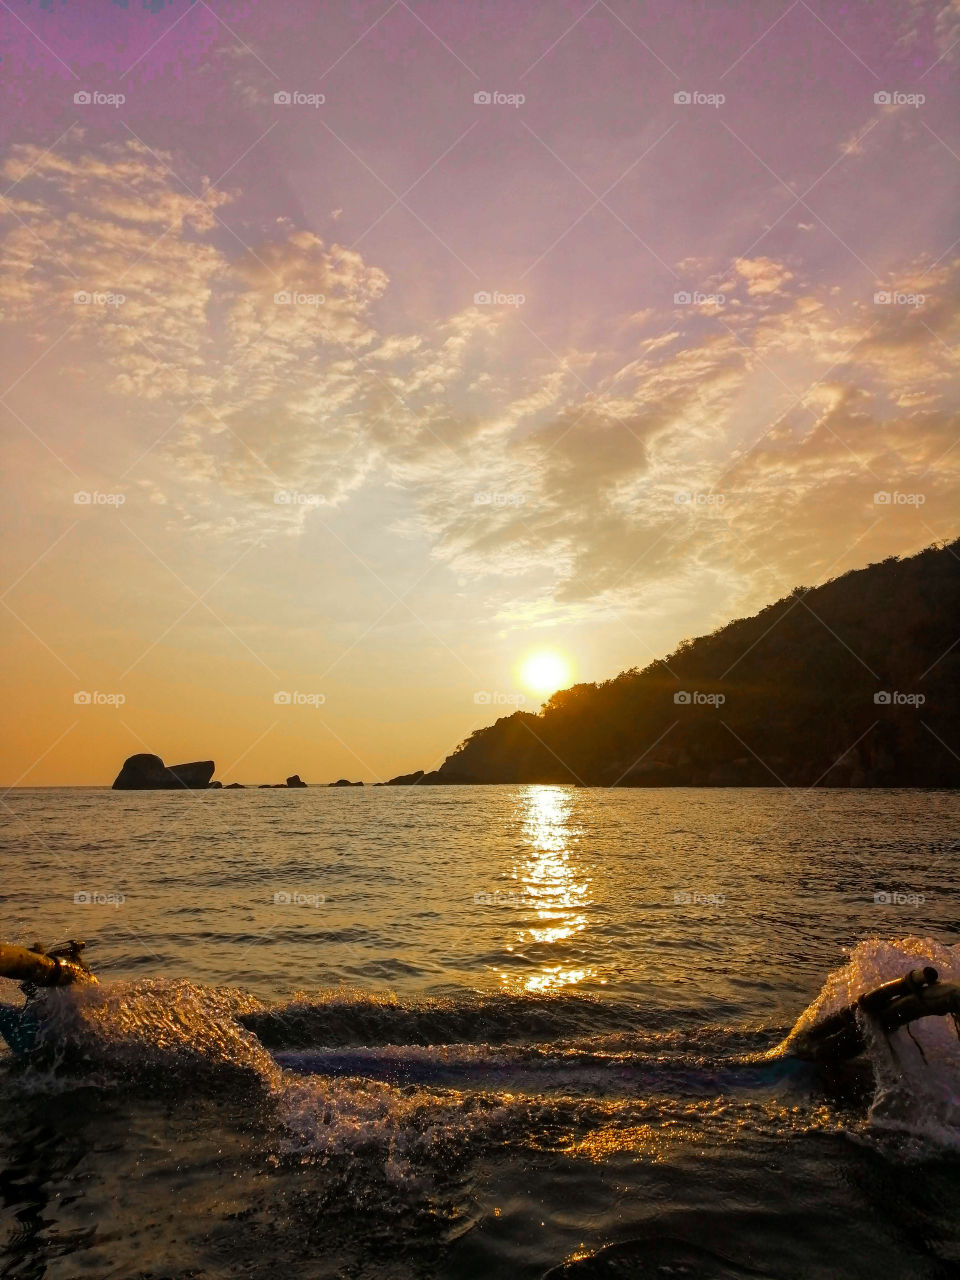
x,y
409,1085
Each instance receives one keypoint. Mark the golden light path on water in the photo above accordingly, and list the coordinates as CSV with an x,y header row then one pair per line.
x,y
554,887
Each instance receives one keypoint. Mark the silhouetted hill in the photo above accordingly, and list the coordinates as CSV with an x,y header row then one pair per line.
x,y
853,683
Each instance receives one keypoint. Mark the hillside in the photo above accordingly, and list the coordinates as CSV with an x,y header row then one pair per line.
x,y
853,683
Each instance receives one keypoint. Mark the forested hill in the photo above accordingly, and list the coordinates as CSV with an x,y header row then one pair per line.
x,y
854,683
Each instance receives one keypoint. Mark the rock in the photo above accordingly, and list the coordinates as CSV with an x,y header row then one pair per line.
x,y
214,786
405,779
295,781
234,786
344,782
145,772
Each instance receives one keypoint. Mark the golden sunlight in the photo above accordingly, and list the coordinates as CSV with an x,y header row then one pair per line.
x,y
545,671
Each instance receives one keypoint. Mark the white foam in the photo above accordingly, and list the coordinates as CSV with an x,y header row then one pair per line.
x,y
917,1070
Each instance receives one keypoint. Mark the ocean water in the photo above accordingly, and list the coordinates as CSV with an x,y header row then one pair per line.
x,y
473,1032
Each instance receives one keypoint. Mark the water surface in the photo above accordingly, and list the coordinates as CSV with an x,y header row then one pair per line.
x,y
499,1031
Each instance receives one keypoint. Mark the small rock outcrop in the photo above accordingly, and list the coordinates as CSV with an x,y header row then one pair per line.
x,y
295,781
234,786
145,772
344,782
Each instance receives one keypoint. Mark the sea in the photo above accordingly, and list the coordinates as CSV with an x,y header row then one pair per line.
x,y
471,1032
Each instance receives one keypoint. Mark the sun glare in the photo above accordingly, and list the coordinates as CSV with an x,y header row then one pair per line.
x,y
545,671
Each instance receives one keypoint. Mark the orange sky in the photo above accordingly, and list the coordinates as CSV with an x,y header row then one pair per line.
x,y
373,398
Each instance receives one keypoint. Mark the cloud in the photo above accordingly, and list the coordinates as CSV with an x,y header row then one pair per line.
x,y
269,368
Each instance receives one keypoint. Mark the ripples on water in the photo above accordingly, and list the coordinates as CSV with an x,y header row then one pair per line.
x,y
478,1031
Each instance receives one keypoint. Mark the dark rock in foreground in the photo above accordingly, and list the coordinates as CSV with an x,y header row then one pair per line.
x,y
145,772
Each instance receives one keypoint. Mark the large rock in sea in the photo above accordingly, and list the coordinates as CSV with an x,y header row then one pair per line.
x,y
145,772
295,781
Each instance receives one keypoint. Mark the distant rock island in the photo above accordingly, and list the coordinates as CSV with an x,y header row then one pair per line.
x,y
146,772
855,683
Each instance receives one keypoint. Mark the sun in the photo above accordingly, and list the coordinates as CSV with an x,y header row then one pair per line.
x,y
545,671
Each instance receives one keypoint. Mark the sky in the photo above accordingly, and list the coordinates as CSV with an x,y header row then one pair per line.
x,y
354,353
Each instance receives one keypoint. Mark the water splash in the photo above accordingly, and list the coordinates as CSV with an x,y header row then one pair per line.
x,y
917,1069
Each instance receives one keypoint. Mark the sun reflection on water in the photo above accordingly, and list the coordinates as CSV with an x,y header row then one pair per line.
x,y
556,890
